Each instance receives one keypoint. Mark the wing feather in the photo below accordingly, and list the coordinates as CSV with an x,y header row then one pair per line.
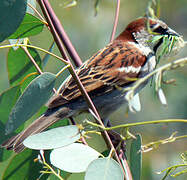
x,y
118,64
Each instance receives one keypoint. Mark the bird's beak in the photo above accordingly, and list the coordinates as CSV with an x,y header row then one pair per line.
x,y
172,32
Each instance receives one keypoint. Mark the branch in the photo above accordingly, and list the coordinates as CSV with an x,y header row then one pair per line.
x,y
170,66
32,60
35,47
59,37
62,34
139,123
115,21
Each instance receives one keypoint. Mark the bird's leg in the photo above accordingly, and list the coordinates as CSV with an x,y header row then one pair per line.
x,y
117,141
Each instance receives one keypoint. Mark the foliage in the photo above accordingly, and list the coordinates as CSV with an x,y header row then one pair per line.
x,y
30,88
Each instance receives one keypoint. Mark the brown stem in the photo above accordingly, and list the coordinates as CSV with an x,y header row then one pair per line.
x,y
57,31
52,29
32,60
115,21
62,34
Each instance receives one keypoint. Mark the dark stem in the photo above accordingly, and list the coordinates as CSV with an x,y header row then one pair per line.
x,y
52,29
62,34
58,35
32,60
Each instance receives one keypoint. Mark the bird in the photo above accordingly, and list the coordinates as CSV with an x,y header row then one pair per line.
x,y
132,55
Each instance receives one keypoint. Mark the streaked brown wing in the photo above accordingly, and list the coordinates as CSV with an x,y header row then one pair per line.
x,y
116,65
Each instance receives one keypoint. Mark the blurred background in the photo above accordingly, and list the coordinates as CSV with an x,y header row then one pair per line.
x,y
89,33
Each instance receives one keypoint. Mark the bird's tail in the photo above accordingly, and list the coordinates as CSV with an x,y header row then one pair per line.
x,y
16,142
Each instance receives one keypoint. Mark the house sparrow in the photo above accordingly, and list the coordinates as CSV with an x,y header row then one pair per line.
x,y
130,56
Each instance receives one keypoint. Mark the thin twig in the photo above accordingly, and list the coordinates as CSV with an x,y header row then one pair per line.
x,y
48,166
39,15
62,34
53,30
173,65
152,145
35,47
139,123
115,21
124,164
32,60
126,168
57,27
62,70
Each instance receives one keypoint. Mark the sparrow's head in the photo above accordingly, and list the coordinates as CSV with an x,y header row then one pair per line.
x,y
144,30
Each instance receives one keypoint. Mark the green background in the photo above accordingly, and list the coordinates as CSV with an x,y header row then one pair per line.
x,y
89,34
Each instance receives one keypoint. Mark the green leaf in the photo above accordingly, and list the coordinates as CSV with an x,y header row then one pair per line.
x,y
34,96
30,26
11,15
47,56
136,158
19,65
7,100
53,138
73,158
105,169
65,175
96,6
156,38
22,166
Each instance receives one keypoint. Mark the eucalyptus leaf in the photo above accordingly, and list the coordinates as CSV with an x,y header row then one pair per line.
x,y
53,138
19,65
16,41
47,56
34,96
105,169
22,166
73,158
156,38
30,26
136,158
11,15
7,100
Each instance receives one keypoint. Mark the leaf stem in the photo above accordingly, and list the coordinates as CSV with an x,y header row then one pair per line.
x,y
39,15
32,60
139,123
115,21
35,47
62,70
173,65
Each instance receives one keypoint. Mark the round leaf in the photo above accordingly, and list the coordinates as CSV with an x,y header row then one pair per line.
x,y
12,14
7,100
20,166
53,138
34,96
74,158
136,157
105,169
19,64
30,26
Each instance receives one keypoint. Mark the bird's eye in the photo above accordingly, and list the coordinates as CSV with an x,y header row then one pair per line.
x,y
152,26
160,30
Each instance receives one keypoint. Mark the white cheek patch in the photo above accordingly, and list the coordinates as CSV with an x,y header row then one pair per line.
x,y
129,69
